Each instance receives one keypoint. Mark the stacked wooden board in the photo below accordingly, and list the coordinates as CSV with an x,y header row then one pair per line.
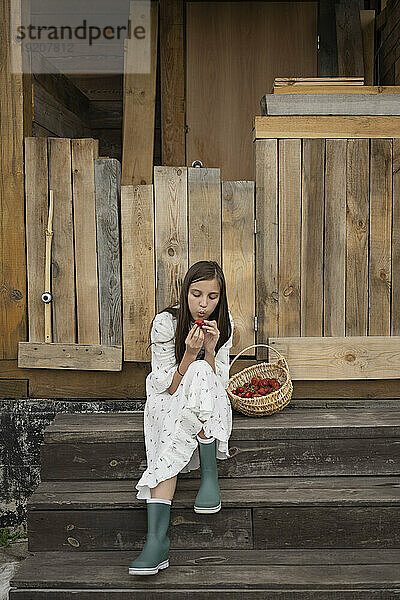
x,y
85,256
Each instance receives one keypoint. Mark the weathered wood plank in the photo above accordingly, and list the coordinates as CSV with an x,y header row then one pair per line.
x,y
127,383
62,251
344,423
331,104
111,460
204,212
99,87
366,527
238,258
223,594
172,68
335,238
308,81
245,492
357,235
349,39
312,237
367,18
395,250
13,317
380,237
337,89
139,99
290,165
326,127
366,522
171,233
107,177
81,530
87,293
267,243
351,357
52,114
36,199
106,576
138,273
41,355
60,87
13,388
327,51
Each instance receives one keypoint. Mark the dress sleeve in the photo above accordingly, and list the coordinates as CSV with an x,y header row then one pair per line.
x,y
222,359
163,362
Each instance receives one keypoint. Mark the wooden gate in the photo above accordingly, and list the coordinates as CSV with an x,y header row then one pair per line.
x,y
85,256
328,269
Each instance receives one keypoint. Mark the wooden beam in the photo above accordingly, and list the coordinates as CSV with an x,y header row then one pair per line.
x,y
107,174
172,56
13,388
352,357
326,127
349,39
13,317
139,103
327,53
331,104
87,293
138,270
337,89
95,357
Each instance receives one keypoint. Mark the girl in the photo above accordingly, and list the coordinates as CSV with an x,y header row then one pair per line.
x,y
188,415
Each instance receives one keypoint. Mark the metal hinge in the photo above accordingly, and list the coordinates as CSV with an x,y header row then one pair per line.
x,y
255,323
255,225
317,42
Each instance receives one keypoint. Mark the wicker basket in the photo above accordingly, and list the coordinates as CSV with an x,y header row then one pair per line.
x,y
261,405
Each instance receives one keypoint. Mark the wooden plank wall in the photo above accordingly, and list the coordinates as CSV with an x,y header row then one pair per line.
x,y
327,266
86,280
13,317
196,217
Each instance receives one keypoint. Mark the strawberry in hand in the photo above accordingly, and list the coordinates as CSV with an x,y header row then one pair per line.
x,y
211,334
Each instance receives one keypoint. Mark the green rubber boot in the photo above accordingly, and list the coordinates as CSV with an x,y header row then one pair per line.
x,y
154,555
208,498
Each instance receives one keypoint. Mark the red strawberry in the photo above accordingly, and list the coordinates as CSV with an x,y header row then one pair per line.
x,y
199,323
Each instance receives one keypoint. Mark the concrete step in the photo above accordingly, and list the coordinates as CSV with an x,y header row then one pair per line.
x,y
296,442
318,574
257,513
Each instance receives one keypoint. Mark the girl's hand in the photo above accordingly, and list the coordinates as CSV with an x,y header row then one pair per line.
x,y
211,335
194,340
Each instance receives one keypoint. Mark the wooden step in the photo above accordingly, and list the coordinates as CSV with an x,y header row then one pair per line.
x,y
356,574
257,513
294,442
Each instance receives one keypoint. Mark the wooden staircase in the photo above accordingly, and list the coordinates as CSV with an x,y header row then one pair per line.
x,y
310,511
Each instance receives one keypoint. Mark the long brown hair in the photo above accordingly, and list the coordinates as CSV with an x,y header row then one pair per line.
x,y
203,270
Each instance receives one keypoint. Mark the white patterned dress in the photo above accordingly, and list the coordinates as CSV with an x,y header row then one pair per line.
x,y
171,421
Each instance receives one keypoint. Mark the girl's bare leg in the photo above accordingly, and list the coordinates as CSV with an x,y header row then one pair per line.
x,y
165,489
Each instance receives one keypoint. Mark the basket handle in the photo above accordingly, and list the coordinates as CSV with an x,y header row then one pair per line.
x,y
254,346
